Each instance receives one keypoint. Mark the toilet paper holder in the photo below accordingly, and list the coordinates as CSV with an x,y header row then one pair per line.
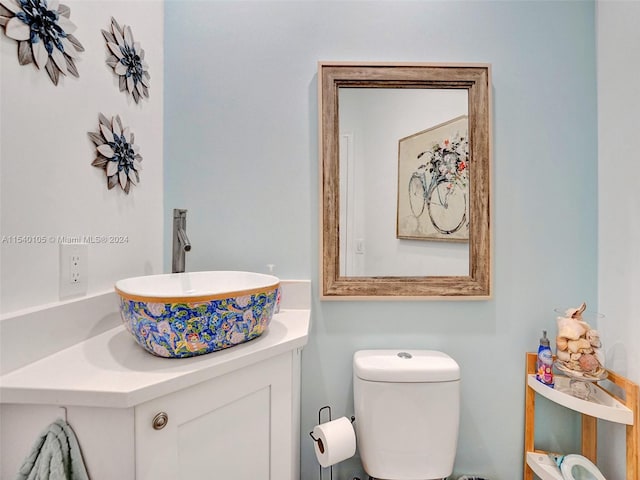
x,y
319,441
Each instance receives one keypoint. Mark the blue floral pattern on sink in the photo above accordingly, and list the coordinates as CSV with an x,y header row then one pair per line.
x,y
196,328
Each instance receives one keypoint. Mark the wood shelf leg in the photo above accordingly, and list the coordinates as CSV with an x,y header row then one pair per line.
x,y
529,416
590,438
633,434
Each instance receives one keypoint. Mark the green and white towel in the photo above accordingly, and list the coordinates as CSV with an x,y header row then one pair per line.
x,y
55,455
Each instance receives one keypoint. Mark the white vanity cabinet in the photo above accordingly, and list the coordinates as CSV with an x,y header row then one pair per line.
x,y
241,425
244,424
229,414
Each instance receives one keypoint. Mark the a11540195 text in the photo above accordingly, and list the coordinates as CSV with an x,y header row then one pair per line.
x,y
58,239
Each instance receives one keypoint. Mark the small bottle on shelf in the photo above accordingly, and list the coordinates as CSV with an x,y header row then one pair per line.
x,y
544,364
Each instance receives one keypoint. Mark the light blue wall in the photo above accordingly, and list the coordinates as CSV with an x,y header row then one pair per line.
x,y
241,154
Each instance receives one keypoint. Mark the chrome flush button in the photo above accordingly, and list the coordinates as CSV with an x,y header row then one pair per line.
x,y
404,355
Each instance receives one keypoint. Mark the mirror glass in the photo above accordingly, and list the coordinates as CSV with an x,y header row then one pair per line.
x,y
393,214
405,180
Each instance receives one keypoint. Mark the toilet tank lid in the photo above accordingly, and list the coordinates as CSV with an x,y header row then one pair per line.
x,y
405,366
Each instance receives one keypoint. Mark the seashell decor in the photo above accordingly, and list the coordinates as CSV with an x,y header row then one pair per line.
x,y
578,346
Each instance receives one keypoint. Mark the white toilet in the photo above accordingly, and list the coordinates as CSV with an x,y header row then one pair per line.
x,y
407,407
577,467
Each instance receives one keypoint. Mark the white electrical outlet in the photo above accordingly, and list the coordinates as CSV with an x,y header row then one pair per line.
x,y
73,269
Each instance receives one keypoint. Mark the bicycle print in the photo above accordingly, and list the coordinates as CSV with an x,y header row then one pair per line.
x,y
433,183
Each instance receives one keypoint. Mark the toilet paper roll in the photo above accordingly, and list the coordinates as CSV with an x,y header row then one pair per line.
x,y
336,441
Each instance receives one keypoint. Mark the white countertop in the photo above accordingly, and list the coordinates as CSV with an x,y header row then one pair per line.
x,y
112,370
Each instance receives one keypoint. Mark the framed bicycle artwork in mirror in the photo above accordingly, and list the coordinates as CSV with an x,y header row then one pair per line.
x,y
433,183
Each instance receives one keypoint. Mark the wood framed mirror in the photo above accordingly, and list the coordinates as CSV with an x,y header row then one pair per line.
x,y
405,180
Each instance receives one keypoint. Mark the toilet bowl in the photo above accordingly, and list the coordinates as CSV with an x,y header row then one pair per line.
x,y
577,467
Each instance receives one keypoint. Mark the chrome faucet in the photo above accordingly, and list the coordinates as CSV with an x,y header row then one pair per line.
x,y
181,242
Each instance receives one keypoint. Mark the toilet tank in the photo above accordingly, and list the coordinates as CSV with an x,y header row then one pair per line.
x,y
407,408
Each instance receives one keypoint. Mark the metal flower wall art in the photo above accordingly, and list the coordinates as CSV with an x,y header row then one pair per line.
x,y
44,34
127,61
117,154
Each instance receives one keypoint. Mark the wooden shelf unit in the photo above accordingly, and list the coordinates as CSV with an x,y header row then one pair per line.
x,y
605,405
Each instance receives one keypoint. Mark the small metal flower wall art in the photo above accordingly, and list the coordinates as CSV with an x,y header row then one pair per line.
x,y
127,61
117,154
44,34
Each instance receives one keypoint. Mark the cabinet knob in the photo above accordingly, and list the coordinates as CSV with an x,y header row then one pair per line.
x,y
160,421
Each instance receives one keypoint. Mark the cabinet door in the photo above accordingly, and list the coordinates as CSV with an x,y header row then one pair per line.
x,y
237,426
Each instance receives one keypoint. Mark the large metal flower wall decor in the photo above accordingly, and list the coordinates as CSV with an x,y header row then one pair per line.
x,y
44,34
117,154
127,61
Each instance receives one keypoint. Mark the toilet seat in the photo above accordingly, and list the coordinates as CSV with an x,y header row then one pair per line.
x,y
577,467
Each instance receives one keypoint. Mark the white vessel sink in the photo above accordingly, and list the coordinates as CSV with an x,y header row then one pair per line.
x,y
193,313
